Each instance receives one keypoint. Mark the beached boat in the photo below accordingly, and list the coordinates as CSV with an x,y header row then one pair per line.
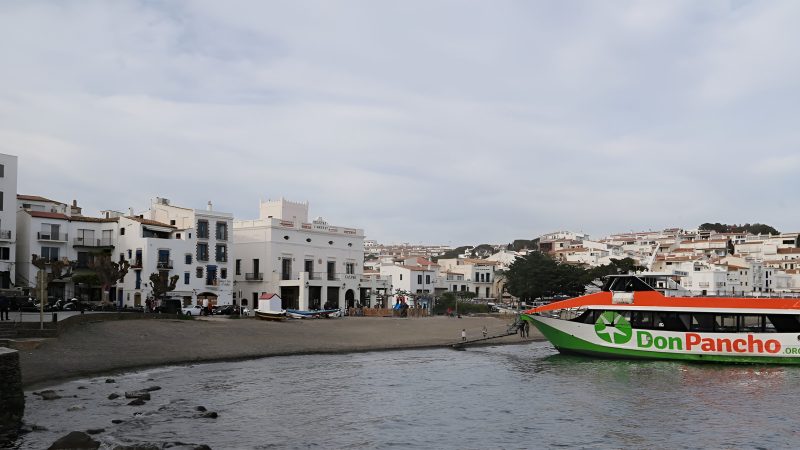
x,y
313,314
269,308
277,316
648,316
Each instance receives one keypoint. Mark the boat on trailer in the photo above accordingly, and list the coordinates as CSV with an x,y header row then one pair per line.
x,y
650,316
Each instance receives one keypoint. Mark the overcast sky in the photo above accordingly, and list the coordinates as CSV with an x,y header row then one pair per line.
x,y
450,122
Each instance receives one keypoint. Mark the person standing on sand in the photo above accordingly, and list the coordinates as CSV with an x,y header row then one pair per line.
x,y
527,329
463,334
484,331
4,303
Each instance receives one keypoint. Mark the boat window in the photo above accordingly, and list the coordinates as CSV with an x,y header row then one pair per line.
x,y
586,317
642,319
768,326
702,322
669,321
725,323
751,324
626,284
785,323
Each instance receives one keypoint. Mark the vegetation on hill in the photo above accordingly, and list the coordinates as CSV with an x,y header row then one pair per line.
x,y
537,275
756,228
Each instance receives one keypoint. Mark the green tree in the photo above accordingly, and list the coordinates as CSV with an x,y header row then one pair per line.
x,y
538,275
55,269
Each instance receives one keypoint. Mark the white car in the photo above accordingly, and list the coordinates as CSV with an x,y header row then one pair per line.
x,y
193,310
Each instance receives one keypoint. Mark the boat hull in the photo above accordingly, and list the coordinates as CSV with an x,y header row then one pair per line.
x,y
274,316
746,348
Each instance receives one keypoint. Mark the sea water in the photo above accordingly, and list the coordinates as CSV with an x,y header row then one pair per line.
x,y
518,396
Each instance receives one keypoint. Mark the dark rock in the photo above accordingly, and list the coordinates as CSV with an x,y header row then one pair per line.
x,y
49,395
35,427
151,379
210,415
152,388
95,430
113,396
110,380
82,387
201,409
76,408
117,421
142,395
75,440
136,402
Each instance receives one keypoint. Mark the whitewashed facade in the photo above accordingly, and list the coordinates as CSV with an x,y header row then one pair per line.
x,y
309,264
8,220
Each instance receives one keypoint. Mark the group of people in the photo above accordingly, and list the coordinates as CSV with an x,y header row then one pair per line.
x,y
524,329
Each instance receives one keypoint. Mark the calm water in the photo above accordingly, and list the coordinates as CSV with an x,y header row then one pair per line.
x,y
497,397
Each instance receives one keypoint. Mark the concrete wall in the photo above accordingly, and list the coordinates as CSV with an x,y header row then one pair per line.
x,y
12,398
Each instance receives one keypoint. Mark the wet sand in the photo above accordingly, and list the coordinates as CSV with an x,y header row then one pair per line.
x,y
106,347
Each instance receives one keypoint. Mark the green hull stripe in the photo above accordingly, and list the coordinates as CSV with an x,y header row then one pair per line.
x,y
567,343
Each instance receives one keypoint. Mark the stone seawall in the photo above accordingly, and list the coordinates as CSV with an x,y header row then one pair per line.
x,y
12,398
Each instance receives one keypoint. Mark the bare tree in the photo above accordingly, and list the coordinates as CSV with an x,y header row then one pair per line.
x,y
162,283
108,272
55,269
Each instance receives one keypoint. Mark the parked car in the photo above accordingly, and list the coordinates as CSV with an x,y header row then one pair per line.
x,y
192,310
226,310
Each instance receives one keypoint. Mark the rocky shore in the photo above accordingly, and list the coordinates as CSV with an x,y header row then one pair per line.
x,y
106,347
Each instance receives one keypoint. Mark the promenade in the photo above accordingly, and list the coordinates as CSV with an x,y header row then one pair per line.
x,y
104,347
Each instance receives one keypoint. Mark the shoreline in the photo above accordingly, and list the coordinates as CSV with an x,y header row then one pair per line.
x,y
103,348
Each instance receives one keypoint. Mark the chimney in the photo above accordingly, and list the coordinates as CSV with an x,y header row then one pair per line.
x,y
210,206
130,212
74,209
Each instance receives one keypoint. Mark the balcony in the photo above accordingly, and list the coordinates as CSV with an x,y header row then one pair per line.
x,y
5,235
212,282
87,242
253,276
52,237
136,264
164,265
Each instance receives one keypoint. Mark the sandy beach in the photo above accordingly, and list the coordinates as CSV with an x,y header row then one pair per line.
x,y
104,347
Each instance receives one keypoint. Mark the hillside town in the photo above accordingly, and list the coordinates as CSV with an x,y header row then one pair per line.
x,y
219,259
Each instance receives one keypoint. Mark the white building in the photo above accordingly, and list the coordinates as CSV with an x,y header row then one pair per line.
x,y
310,264
478,273
8,220
209,263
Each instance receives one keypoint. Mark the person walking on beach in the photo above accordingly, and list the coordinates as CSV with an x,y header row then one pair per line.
x,y
521,329
527,329
463,334
4,303
484,331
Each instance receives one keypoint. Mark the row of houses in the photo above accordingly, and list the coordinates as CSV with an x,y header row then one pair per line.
x,y
705,262
217,259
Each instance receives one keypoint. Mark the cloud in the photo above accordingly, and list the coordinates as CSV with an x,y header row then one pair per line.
x,y
454,122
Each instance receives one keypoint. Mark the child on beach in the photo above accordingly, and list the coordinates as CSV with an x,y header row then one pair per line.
x,y
463,334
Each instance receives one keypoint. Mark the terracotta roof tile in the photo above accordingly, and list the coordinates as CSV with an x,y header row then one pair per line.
x,y
48,215
36,198
154,223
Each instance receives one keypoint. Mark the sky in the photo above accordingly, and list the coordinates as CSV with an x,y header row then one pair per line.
x,y
439,122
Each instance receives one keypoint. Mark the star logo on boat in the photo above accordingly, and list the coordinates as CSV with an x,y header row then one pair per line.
x,y
613,328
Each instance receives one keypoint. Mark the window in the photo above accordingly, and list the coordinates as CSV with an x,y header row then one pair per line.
x,y
222,253
2,171
200,272
138,279
427,279
309,268
223,273
238,267
50,253
331,270
202,229
172,222
83,260
202,251
188,258
186,276
401,277
222,231
350,268
5,253
419,279
122,231
286,268
1,201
